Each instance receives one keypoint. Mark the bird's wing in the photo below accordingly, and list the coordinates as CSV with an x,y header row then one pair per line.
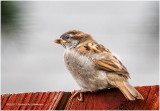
x,y
104,59
111,64
93,47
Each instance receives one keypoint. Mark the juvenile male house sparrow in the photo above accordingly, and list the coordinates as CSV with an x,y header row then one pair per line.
x,y
93,66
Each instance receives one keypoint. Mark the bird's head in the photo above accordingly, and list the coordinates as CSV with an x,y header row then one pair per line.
x,y
73,38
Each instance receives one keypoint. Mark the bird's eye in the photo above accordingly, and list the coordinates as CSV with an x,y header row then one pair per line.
x,y
68,36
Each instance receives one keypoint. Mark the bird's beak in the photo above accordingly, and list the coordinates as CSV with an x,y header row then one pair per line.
x,y
59,41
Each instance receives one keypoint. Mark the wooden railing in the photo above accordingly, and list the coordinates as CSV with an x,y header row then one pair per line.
x,y
109,99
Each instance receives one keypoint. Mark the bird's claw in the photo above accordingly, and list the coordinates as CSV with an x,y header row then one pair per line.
x,y
75,93
81,97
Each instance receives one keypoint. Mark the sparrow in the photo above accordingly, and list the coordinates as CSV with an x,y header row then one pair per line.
x,y
93,66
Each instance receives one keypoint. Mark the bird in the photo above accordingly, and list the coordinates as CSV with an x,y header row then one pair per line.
x,y
93,66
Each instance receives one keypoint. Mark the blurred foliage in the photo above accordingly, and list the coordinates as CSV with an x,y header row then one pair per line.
x,y
9,11
9,15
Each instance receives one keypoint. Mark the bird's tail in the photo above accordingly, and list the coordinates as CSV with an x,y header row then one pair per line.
x,y
128,90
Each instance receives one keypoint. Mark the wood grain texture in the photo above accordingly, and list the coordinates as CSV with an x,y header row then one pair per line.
x,y
31,101
63,101
113,99
109,99
153,98
4,99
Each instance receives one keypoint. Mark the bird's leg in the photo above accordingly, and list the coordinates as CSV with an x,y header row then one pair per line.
x,y
81,96
80,92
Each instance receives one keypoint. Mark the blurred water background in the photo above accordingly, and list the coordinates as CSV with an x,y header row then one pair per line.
x,y
32,62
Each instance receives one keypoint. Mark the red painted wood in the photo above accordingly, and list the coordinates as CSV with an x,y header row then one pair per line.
x,y
4,99
113,99
52,100
152,98
109,99
139,104
156,105
42,101
10,102
32,101
37,100
18,101
25,101
56,100
49,101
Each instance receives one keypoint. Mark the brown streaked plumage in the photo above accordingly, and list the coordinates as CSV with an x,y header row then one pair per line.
x,y
93,66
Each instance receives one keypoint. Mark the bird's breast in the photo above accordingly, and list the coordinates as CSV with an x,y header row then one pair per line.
x,y
84,72
77,63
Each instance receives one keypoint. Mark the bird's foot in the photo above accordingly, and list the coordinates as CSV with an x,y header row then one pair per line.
x,y
80,92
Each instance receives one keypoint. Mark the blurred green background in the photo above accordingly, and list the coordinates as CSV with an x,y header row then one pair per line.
x,y
9,14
